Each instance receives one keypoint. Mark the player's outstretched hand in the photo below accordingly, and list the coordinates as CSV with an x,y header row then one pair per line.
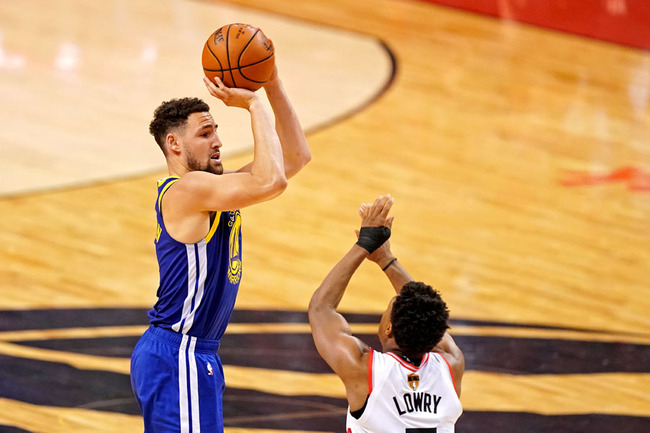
x,y
376,215
231,96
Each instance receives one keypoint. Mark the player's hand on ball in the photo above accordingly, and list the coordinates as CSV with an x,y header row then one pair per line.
x,y
231,96
273,78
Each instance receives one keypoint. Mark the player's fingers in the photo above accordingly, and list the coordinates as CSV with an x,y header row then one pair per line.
x,y
225,96
212,88
389,222
387,205
221,88
380,204
362,212
373,210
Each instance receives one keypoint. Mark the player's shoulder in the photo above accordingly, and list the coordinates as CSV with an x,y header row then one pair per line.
x,y
195,176
182,193
193,182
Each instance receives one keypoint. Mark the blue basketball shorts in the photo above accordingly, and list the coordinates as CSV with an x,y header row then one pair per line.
x,y
178,382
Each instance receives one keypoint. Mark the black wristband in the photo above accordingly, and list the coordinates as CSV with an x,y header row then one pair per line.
x,y
389,263
371,238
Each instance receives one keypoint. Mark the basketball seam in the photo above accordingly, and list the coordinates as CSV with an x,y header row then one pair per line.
x,y
239,68
241,53
253,64
216,58
232,76
243,50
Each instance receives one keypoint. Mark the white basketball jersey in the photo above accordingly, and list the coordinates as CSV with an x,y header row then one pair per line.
x,y
405,398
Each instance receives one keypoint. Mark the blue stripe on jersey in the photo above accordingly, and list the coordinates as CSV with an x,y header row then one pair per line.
x,y
198,282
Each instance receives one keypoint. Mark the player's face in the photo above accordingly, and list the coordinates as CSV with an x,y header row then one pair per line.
x,y
202,144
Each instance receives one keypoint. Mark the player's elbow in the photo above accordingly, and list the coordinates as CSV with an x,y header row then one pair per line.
x,y
293,166
272,187
305,157
319,305
278,184
315,306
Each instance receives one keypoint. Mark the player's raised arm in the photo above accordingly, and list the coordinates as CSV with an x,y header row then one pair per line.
x,y
265,178
331,332
295,148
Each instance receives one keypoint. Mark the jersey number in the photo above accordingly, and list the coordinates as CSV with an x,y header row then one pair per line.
x,y
421,430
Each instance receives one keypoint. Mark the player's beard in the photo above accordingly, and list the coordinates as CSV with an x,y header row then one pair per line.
x,y
194,165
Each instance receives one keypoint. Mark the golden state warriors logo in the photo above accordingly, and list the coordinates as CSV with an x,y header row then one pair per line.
x,y
234,264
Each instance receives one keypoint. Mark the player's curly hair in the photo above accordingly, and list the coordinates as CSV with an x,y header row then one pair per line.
x,y
173,114
419,319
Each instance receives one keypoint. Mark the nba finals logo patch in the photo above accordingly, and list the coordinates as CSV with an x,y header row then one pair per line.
x,y
414,381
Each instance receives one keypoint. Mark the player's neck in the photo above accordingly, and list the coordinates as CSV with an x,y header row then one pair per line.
x,y
175,168
413,360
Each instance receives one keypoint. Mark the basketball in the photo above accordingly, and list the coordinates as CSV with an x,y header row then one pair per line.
x,y
240,54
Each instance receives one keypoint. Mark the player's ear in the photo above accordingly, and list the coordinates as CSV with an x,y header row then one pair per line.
x,y
172,143
389,330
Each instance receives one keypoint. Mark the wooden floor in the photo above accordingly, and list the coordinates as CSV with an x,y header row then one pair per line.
x,y
519,159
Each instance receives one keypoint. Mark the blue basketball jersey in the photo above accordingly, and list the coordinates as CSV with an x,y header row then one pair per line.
x,y
198,282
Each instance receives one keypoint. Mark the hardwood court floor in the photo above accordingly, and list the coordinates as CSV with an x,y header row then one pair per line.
x,y
520,165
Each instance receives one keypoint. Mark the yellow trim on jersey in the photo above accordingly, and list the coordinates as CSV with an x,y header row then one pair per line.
x,y
213,229
160,182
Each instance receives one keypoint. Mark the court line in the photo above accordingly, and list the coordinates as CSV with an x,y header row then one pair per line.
x,y
357,328
484,391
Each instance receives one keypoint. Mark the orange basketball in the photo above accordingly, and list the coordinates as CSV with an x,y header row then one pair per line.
x,y
240,54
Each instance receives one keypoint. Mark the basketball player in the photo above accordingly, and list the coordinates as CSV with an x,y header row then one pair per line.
x,y
176,374
413,384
